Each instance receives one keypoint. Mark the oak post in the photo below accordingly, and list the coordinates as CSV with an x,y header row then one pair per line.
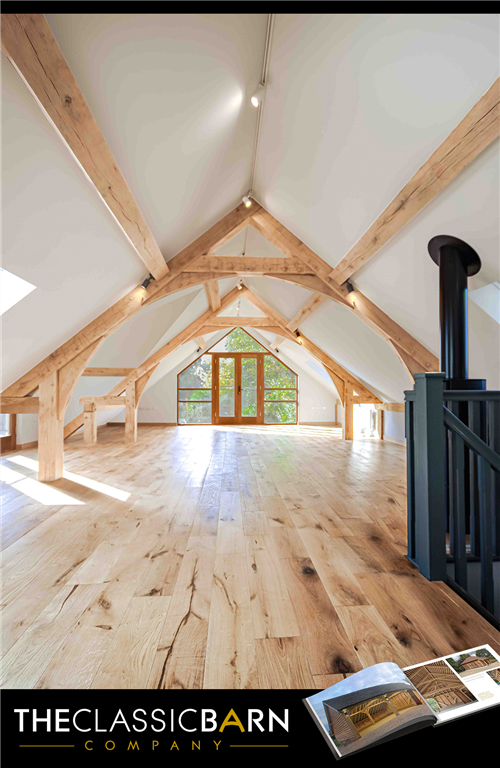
x,y
50,430
89,424
348,425
130,415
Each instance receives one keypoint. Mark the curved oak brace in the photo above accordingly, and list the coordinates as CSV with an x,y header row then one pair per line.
x,y
185,335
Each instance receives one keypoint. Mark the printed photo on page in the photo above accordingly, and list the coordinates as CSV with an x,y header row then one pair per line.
x,y
374,705
459,684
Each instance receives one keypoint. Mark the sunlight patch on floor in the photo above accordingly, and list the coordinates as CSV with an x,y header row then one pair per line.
x,y
103,488
45,494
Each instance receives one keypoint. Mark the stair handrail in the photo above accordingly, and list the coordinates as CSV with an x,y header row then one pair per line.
x,y
471,439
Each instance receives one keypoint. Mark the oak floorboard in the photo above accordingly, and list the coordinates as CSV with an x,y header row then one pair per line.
x,y
327,646
230,659
185,630
217,557
131,653
282,663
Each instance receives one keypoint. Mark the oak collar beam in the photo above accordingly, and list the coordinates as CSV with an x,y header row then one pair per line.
x,y
107,371
243,265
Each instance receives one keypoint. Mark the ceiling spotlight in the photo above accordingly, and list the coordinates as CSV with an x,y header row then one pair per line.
x,y
299,340
247,199
240,285
147,281
257,97
350,287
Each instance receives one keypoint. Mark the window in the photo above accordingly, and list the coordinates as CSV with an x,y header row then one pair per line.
x,y
237,382
12,289
195,392
280,392
7,432
488,298
238,341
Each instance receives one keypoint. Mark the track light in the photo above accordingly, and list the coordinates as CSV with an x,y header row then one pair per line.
x,y
147,281
246,199
350,287
257,97
299,340
240,285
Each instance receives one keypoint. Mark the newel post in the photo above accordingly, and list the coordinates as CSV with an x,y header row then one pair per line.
x,y
429,460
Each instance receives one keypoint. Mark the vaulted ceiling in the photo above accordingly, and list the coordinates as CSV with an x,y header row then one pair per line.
x,y
355,104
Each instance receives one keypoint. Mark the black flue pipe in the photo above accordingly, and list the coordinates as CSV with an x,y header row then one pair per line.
x,y
457,261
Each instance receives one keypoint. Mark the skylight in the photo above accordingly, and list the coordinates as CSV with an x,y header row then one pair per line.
x,y
12,289
488,298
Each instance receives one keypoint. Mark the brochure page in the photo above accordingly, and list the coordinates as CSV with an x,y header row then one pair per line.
x,y
459,684
378,703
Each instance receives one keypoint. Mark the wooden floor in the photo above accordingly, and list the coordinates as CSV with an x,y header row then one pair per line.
x,y
217,557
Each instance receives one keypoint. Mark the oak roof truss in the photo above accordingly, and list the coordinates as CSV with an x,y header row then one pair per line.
x,y
32,49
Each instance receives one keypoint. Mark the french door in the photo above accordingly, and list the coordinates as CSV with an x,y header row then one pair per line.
x,y
237,388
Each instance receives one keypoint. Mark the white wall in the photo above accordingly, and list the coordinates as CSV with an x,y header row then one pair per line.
x,y
394,425
159,403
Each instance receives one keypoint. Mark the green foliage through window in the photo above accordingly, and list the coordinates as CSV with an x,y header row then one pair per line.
x,y
198,375
195,385
238,341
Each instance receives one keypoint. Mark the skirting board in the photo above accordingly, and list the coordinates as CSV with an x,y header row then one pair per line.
x,y
25,446
143,424
173,424
396,440
21,447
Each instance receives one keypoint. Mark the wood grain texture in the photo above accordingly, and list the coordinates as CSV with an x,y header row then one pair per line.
x,y
306,310
112,397
473,134
249,265
19,404
106,371
213,295
159,589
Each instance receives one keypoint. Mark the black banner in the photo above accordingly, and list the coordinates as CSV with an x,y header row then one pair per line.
x,y
186,727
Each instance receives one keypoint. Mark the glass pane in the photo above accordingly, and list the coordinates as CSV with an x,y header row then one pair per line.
x,y
238,341
195,394
249,386
280,394
195,413
276,374
199,374
280,413
4,424
226,386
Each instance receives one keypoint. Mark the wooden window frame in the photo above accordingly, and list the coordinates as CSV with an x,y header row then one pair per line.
x,y
239,420
9,442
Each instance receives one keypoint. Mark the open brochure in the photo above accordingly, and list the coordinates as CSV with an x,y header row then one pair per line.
x,y
383,701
